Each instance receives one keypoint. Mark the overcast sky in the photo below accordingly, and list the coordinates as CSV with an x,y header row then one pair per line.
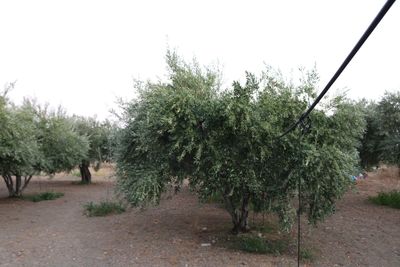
x,y
85,54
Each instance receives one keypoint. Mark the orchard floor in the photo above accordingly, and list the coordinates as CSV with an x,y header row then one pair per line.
x,y
57,233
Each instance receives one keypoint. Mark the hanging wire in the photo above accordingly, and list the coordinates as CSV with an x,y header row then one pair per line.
x,y
299,222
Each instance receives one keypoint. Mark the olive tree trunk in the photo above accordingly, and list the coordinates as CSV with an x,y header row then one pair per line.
x,y
239,214
86,176
16,189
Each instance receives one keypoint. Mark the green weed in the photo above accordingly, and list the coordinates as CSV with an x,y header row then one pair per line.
x,y
103,208
255,244
391,199
306,255
43,196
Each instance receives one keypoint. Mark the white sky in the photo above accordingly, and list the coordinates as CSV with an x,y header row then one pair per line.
x,y
84,54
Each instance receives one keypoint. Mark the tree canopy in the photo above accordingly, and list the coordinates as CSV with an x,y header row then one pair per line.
x,y
34,139
20,153
381,141
226,142
99,137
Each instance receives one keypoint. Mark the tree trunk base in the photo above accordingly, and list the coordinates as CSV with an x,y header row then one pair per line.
x,y
236,230
239,214
15,189
86,176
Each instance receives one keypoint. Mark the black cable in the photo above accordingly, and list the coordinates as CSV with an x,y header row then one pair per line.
x,y
353,52
298,223
305,129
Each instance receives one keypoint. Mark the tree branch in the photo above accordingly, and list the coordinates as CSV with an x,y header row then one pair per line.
x,y
26,182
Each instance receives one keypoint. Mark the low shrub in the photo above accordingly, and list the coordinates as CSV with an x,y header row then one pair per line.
x,y
103,208
306,255
44,196
391,199
255,244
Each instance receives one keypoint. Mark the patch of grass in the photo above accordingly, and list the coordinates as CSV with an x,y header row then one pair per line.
x,y
306,255
391,199
44,196
103,208
255,244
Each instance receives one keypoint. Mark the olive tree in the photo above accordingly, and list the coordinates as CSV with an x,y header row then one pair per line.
x,y
20,153
388,115
98,135
226,142
370,143
34,140
381,141
62,146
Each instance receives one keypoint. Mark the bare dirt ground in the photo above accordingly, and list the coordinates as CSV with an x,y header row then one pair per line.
x,y
57,233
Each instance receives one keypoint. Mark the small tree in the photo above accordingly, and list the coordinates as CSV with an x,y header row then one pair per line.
x,y
225,142
20,153
99,143
62,147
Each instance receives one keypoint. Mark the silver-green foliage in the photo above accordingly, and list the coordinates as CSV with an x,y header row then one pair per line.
x,y
33,140
98,133
19,150
225,142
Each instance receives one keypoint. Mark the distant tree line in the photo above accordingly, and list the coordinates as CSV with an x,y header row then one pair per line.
x,y
381,139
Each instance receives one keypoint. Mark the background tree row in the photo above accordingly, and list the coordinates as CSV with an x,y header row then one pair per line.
x,y
35,139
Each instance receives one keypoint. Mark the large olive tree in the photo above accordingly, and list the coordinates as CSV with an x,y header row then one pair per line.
x,y
226,142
